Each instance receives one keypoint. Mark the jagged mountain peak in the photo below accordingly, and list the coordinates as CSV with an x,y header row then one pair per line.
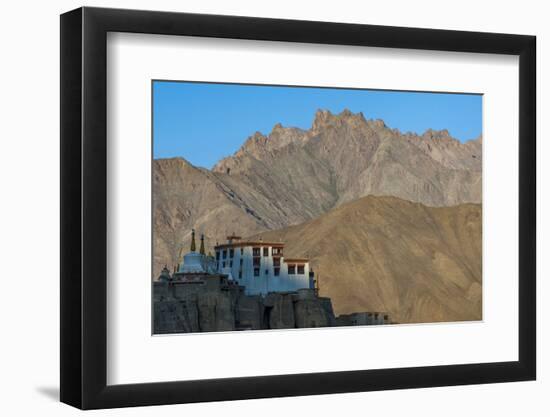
x,y
336,136
277,128
258,138
260,145
377,124
176,161
324,118
442,134
278,137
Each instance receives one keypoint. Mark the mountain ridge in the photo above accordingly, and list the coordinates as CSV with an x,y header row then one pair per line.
x,y
322,120
293,175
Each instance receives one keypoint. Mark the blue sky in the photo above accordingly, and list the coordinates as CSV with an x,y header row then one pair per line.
x,y
205,122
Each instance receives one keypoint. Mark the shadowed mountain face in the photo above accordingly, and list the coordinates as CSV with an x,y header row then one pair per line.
x,y
418,263
294,175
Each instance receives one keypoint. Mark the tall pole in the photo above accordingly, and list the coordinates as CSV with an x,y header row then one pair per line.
x,y
193,247
202,245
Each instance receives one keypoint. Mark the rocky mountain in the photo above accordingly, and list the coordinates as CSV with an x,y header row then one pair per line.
x,y
418,263
186,197
292,176
344,157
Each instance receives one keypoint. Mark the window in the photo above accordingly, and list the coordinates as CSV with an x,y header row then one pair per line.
x,y
266,251
242,251
256,261
291,269
276,272
223,264
301,269
267,271
277,251
255,251
217,255
240,273
231,253
256,272
231,264
276,261
241,261
224,254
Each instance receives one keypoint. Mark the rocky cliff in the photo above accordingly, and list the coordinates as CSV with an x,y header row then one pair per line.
x,y
211,305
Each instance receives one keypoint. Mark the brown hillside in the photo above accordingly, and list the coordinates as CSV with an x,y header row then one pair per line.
x,y
186,197
419,263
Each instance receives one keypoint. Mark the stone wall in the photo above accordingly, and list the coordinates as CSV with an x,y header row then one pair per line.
x,y
211,303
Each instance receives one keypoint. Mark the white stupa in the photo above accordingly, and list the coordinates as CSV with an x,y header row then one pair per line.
x,y
193,261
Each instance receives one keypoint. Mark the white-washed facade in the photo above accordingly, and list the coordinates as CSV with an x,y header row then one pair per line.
x,y
261,266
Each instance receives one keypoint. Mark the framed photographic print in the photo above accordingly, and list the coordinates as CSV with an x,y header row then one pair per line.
x,y
258,207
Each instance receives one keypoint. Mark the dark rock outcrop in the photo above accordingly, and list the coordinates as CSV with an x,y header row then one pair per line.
x,y
213,304
281,314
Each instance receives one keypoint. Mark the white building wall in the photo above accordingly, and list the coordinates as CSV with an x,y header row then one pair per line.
x,y
297,281
266,281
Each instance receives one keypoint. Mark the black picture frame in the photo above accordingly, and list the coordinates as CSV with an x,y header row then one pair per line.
x,y
84,207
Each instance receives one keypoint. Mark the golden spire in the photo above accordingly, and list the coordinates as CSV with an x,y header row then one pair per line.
x,y
193,247
202,245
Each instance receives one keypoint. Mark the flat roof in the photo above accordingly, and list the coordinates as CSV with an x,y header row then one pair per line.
x,y
249,243
296,260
